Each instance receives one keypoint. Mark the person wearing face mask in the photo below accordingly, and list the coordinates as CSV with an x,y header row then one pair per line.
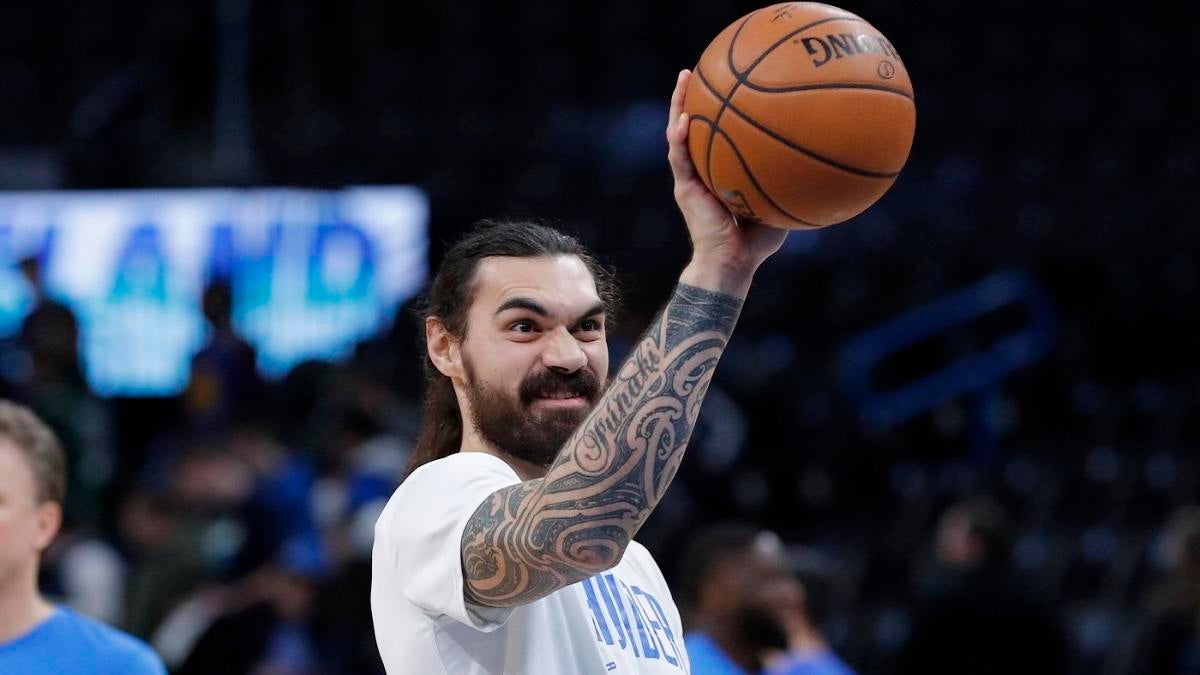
x,y
745,609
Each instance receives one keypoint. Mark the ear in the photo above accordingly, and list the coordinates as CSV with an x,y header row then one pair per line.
x,y
443,349
49,520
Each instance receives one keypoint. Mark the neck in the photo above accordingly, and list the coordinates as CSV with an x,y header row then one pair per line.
x,y
737,649
21,606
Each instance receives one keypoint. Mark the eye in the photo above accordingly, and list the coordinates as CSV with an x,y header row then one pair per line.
x,y
523,326
590,329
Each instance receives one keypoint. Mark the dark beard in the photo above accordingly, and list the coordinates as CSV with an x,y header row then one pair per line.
x,y
516,428
761,628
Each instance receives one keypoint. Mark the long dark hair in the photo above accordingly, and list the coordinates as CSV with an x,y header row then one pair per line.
x,y
449,297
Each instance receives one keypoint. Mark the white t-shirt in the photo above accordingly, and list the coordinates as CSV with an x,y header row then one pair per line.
x,y
622,621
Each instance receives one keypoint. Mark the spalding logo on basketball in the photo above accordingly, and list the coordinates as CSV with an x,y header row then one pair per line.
x,y
801,115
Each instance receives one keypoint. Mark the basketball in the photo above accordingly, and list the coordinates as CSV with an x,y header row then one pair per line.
x,y
801,115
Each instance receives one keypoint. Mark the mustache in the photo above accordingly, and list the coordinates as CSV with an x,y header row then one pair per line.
x,y
582,383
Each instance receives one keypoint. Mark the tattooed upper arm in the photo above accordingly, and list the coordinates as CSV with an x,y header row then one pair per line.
x,y
531,539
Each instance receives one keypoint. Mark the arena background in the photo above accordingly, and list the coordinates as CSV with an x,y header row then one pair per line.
x,y
1017,317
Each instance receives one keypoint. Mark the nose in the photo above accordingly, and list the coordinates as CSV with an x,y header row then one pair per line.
x,y
562,352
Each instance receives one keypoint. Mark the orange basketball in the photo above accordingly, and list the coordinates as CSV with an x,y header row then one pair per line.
x,y
801,115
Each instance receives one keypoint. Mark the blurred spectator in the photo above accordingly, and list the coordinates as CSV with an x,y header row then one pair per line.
x,y
50,332
343,616
1169,644
167,561
264,624
189,535
58,393
80,568
744,611
278,506
83,570
36,636
975,617
362,466
361,469
225,382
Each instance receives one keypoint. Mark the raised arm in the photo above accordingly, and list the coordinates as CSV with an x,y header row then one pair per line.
x,y
531,539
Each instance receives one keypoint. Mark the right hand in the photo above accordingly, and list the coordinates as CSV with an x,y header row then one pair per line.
x,y
720,242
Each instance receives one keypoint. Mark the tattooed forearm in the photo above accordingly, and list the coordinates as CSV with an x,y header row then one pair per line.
x,y
527,541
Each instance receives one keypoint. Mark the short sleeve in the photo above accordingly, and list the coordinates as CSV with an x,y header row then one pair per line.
x,y
107,649
420,533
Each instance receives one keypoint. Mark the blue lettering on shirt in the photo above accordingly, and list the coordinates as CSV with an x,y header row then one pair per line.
x,y
612,586
598,620
661,624
649,648
612,612
612,602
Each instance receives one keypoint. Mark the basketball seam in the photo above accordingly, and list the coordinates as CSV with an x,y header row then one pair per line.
x,y
791,144
713,131
717,120
828,85
767,52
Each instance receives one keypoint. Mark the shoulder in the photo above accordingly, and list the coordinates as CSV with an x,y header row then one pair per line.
x,y
703,651
441,490
640,559
441,480
636,549
459,466
116,650
650,577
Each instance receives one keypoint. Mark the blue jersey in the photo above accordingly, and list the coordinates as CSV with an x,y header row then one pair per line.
x,y
708,659
71,644
818,663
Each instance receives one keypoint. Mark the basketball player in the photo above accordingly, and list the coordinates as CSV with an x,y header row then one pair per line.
x,y
509,548
35,636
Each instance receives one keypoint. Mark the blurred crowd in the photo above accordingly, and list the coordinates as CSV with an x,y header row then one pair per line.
x,y
1052,509
231,526
237,537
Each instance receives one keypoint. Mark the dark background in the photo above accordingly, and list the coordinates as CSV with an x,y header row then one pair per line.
x,y
1056,142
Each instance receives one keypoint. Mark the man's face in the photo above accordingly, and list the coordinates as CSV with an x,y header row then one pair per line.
x,y
26,527
957,545
535,355
768,601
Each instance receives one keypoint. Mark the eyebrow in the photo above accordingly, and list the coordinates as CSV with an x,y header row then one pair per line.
x,y
522,303
530,305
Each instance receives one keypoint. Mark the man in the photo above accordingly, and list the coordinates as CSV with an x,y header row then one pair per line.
x,y
57,391
49,332
509,548
36,636
747,610
977,616
224,379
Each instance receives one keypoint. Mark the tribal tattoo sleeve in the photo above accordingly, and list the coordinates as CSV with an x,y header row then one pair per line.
x,y
531,539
